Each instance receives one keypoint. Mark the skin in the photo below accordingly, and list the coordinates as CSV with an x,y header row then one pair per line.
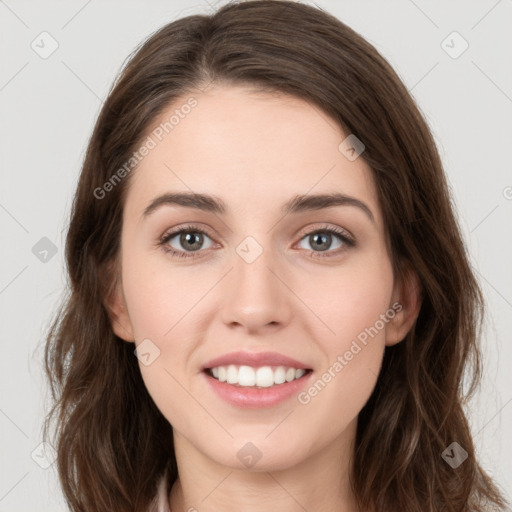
x,y
286,301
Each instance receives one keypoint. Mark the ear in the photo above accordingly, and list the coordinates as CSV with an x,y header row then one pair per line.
x,y
406,302
118,312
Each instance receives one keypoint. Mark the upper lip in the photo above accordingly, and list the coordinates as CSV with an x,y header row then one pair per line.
x,y
255,359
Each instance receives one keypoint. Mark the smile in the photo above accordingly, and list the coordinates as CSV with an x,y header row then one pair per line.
x,y
254,388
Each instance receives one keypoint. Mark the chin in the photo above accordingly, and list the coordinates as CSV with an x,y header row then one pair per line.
x,y
256,456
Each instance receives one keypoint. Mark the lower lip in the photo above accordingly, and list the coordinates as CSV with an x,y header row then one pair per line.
x,y
254,398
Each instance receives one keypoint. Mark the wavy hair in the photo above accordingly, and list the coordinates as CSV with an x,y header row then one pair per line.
x,y
112,442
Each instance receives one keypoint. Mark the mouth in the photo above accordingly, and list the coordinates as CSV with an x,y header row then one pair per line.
x,y
242,376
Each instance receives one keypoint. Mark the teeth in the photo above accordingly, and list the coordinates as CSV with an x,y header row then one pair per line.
x,y
246,376
263,377
232,375
290,374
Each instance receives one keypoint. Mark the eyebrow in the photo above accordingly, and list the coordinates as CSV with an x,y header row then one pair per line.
x,y
213,204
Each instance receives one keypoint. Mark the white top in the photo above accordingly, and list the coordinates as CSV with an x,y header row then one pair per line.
x,y
161,501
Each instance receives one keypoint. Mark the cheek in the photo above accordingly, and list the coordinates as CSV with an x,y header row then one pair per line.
x,y
162,305
353,358
350,300
154,296
356,309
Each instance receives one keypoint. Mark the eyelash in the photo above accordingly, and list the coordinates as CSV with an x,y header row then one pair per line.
x,y
348,241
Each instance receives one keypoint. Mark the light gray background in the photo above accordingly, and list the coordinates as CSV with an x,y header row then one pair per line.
x,y
48,107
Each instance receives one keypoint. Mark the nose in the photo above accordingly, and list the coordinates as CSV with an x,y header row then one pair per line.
x,y
256,298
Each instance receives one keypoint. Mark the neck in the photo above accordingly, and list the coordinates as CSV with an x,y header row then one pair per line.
x,y
319,482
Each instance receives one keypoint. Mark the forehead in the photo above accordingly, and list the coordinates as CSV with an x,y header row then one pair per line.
x,y
250,148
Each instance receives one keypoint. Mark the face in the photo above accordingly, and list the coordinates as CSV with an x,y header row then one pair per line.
x,y
315,285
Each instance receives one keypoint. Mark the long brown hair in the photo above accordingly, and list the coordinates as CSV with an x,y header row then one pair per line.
x,y
112,442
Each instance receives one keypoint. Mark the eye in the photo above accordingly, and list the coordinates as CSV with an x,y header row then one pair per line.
x,y
190,239
321,240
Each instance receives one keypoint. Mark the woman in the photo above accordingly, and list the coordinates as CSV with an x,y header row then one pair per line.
x,y
270,371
